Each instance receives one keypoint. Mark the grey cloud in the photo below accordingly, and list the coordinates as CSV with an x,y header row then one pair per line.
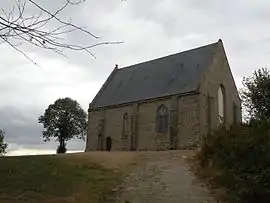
x,y
20,126
149,29
24,131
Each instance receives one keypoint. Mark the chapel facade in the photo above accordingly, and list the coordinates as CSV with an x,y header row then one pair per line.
x,y
166,103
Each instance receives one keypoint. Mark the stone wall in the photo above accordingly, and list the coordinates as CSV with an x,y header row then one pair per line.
x,y
142,133
148,138
188,121
218,73
113,127
94,118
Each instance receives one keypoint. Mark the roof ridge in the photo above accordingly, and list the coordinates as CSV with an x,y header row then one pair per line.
x,y
182,52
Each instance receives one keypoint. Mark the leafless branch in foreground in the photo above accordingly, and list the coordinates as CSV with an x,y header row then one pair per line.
x,y
17,27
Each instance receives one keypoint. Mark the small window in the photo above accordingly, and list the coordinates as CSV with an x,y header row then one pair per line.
x,y
221,104
125,124
162,119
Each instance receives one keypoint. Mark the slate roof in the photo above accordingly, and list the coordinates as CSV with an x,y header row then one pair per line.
x,y
175,74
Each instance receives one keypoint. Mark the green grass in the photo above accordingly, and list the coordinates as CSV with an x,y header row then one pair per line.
x,y
51,179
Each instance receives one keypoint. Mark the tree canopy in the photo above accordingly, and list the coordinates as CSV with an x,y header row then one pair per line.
x,y
63,121
3,145
256,95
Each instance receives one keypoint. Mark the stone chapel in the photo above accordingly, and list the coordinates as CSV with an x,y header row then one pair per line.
x,y
165,103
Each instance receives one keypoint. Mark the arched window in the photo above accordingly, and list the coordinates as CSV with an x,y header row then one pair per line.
x,y
125,124
221,104
162,119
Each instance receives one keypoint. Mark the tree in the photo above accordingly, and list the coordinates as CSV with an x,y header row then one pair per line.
x,y
64,120
256,95
3,145
41,28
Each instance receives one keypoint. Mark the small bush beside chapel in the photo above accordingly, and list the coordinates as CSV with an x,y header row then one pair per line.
x,y
238,160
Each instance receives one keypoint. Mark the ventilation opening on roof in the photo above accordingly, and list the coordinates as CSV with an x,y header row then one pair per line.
x,y
171,80
119,85
181,66
146,77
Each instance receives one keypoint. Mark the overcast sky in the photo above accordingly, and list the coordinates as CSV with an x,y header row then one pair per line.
x,y
149,29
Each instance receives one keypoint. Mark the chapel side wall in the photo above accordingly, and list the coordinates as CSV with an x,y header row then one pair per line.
x,y
145,136
148,138
188,121
94,118
114,126
184,124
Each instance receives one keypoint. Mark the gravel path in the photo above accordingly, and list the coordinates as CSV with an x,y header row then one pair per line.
x,y
163,177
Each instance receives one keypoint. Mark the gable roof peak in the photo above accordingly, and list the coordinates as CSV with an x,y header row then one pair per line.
x,y
220,42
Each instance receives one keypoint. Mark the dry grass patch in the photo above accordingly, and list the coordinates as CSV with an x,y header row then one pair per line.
x,y
70,178
112,160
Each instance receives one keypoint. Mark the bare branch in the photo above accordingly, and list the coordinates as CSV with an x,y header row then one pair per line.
x,y
18,27
54,16
14,47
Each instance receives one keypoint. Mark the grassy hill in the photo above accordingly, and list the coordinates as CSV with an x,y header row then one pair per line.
x,y
80,178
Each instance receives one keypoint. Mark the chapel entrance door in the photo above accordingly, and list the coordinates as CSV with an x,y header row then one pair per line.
x,y
108,144
132,142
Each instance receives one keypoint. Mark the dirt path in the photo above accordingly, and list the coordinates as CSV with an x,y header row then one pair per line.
x,y
163,177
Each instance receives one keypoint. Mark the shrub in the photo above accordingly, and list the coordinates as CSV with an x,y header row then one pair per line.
x,y
3,145
240,157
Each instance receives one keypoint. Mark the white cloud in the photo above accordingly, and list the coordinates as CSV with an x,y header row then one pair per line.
x,y
20,151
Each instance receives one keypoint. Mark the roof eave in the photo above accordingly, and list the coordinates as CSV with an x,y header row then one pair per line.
x,y
142,101
103,86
